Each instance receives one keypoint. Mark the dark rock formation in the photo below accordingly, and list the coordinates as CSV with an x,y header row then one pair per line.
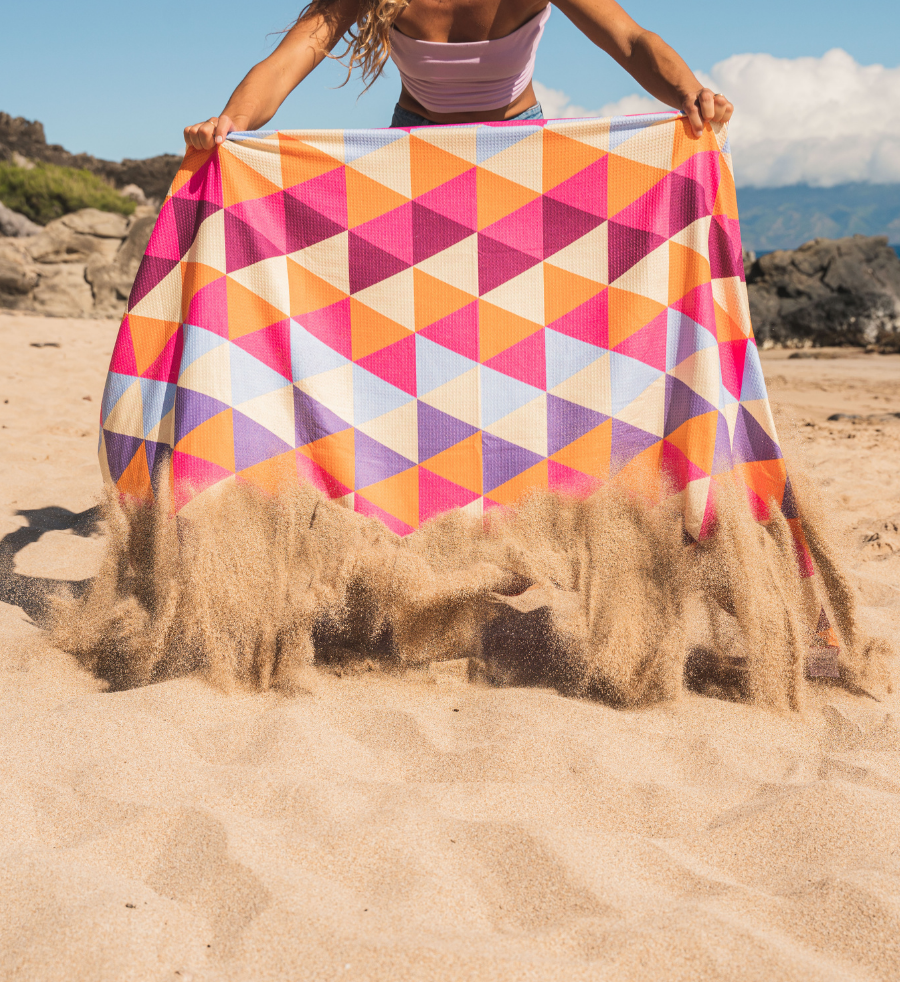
x,y
153,175
827,292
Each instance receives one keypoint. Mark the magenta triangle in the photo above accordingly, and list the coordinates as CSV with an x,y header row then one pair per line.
x,y
526,360
457,331
331,325
649,343
369,264
271,346
437,495
498,263
395,364
456,200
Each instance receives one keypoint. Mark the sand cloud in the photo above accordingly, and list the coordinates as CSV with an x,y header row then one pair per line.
x,y
821,121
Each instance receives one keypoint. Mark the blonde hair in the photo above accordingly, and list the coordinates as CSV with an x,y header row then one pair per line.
x,y
369,46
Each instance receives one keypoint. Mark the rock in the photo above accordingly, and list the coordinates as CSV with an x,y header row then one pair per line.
x,y
827,292
111,282
14,225
62,291
92,221
61,240
18,275
135,193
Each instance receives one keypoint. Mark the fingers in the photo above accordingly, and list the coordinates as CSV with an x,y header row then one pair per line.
x,y
707,107
224,126
201,136
692,111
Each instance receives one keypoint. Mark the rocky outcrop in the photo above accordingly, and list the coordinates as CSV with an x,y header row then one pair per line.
x,y
80,265
14,225
827,292
26,138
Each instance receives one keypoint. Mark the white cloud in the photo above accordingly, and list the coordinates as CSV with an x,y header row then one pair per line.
x,y
821,121
556,105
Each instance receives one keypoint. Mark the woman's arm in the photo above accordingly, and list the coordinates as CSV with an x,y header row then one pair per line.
x,y
256,100
648,59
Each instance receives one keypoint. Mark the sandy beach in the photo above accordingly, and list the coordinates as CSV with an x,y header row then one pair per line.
x,y
428,828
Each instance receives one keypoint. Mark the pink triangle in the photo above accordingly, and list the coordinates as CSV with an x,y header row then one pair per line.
x,y
192,475
703,167
395,364
437,495
522,230
567,479
589,322
271,346
167,367
649,343
364,507
698,305
678,468
732,356
708,525
585,190
326,194
209,307
457,199
123,360
164,237
391,232
265,215
205,184
331,325
308,470
759,508
526,361
457,331
650,213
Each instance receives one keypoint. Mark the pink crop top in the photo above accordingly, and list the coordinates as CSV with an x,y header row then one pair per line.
x,y
470,76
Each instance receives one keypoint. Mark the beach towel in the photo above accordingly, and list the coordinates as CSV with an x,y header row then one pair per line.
x,y
416,320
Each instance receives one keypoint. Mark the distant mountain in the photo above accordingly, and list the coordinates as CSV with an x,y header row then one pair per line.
x,y
784,218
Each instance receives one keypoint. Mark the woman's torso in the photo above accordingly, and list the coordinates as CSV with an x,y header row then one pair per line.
x,y
465,22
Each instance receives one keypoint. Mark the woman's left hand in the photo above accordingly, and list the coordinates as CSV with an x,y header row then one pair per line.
x,y
706,106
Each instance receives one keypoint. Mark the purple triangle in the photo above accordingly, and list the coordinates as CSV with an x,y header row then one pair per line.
x,y
375,462
152,271
189,216
722,459
254,443
627,442
567,421
369,264
687,202
682,404
498,263
751,442
432,232
503,461
192,409
304,226
438,431
628,246
312,420
120,451
244,245
158,456
788,501
563,224
725,256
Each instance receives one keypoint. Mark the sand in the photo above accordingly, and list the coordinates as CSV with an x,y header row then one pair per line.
x,y
425,827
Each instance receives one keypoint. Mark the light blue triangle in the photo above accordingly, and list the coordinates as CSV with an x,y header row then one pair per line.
x,y
357,143
490,140
628,379
436,365
373,397
622,128
197,342
753,385
566,356
684,336
501,395
158,399
310,356
725,397
116,384
251,378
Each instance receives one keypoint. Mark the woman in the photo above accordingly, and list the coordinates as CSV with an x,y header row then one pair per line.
x,y
461,61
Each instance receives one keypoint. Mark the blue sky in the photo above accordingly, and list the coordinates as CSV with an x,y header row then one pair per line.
x,y
122,79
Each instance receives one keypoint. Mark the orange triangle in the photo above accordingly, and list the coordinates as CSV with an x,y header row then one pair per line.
x,y
248,312
726,196
629,312
212,441
727,328
462,463
516,489
195,276
397,495
564,291
687,269
643,473
335,454
435,299
274,474
135,479
193,161
685,144
590,453
430,167
498,197
367,199
696,439
242,183
499,329
371,331
149,336
627,181
563,158
766,478
309,292
300,162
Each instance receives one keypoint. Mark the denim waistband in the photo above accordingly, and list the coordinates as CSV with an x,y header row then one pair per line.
x,y
403,117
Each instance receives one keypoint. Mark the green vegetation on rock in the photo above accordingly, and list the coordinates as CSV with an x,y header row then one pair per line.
x,y
45,192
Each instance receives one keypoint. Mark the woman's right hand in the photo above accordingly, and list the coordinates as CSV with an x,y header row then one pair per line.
x,y
204,136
